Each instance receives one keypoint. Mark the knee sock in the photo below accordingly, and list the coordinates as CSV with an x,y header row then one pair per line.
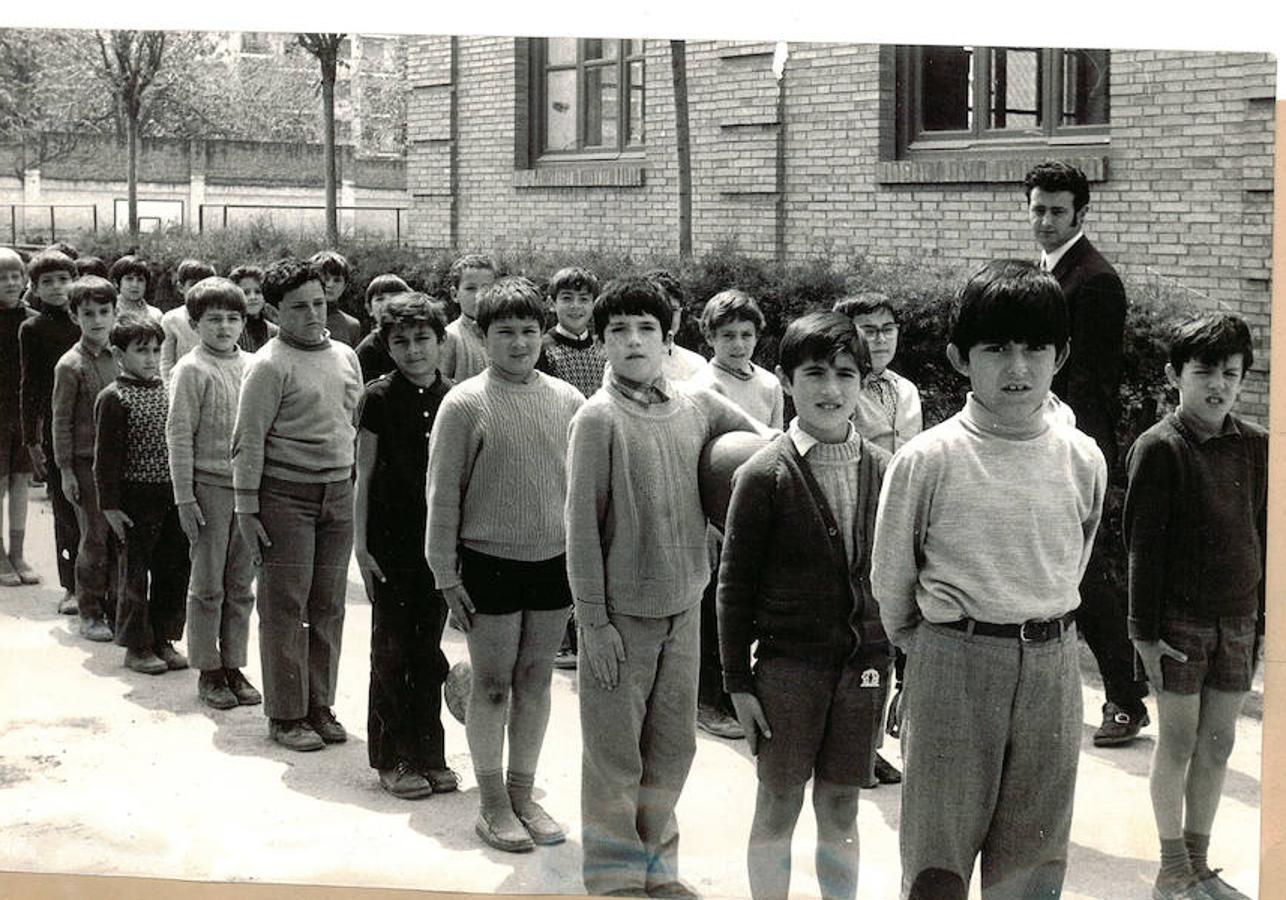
x,y
491,786
519,786
1174,857
1197,846
16,540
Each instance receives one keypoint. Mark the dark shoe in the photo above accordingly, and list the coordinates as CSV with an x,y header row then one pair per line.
x,y
1181,887
886,772
1216,888
97,629
540,825
1119,727
212,688
294,734
405,783
323,721
672,889
566,659
717,722
173,659
68,606
443,780
505,839
243,690
144,661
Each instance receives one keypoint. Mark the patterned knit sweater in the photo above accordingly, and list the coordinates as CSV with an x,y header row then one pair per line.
x,y
578,361
129,416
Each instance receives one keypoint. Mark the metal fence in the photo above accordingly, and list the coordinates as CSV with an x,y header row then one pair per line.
x,y
356,223
42,223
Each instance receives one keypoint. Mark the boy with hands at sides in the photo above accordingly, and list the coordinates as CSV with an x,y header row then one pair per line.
x,y
637,561
984,528
15,462
495,542
204,387
405,740
795,578
1195,516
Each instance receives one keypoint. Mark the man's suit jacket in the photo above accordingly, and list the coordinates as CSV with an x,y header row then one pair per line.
x,y
1090,381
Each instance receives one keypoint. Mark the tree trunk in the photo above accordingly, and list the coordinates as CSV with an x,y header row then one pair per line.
x,y
682,143
328,148
131,170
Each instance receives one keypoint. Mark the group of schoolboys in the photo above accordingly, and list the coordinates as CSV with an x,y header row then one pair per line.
x,y
519,472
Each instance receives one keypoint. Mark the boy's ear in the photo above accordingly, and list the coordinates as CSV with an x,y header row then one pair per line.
x,y
958,362
1172,376
1062,357
784,377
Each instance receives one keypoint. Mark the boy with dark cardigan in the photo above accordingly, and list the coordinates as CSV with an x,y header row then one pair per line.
x,y
259,327
15,462
795,578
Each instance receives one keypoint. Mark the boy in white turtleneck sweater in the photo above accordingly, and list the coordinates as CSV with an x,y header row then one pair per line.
x,y
985,527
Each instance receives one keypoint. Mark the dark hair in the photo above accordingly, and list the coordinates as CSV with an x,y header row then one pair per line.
x,y
468,261
330,262
632,296
385,284
131,329
129,265
669,283
1056,175
572,278
90,289
91,265
1210,339
409,310
284,275
192,270
864,304
730,306
246,271
1009,300
514,297
47,261
822,336
66,249
214,293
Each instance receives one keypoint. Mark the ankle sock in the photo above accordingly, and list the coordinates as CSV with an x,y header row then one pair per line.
x,y
519,785
1197,845
1174,858
16,541
491,787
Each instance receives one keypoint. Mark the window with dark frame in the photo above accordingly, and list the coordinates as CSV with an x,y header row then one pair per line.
x,y
967,97
258,42
587,98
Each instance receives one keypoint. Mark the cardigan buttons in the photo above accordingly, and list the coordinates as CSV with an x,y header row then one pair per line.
x,y
831,532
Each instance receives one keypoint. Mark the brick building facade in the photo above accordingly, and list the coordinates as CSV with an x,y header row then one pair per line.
x,y
820,159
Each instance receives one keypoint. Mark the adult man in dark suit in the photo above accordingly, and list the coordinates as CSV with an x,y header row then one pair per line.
x,y
1058,198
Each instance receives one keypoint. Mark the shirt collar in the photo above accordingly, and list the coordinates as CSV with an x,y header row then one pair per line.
x,y
804,441
1200,432
567,334
1051,259
649,394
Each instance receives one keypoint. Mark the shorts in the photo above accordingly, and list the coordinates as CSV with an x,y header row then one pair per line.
x,y
498,586
1221,653
13,452
823,720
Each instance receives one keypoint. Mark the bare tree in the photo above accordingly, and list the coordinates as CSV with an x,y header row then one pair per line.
x,y
42,111
325,47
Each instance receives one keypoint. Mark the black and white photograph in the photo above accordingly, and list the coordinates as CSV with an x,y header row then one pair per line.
x,y
570,455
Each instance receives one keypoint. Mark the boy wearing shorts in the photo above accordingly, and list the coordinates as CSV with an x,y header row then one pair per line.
x,y
985,525
496,545
1195,515
795,578
15,464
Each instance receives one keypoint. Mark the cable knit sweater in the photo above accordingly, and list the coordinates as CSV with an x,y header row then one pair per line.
x,y
204,387
497,477
636,534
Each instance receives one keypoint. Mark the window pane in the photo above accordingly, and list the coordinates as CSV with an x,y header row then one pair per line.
x,y
601,107
598,48
560,110
1085,87
1014,93
560,51
946,78
636,103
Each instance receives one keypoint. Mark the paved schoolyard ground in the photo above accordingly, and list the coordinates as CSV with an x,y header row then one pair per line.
x,y
109,772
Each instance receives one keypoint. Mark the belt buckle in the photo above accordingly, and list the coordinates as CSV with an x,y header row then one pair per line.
x,y
1043,634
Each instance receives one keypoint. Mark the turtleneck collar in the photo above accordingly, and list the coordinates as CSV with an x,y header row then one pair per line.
x,y
984,420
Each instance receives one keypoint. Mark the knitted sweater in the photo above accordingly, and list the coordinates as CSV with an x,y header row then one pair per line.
x,y
142,308
463,352
636,534
497,477
785,577
204,387
981,522
130,447
296,416
180,337
80,375
41,343
1195,518
11,320
578,361
760,394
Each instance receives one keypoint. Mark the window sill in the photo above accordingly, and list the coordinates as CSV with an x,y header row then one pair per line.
x,y
600,175
958,167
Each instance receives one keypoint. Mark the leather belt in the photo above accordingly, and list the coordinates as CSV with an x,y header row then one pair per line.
x,y
1034,631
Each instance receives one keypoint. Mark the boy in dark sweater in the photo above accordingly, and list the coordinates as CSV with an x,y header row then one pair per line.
x,y
42,341
1195,516
15,463
259,327
336,272
372,351
132,475
795,578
